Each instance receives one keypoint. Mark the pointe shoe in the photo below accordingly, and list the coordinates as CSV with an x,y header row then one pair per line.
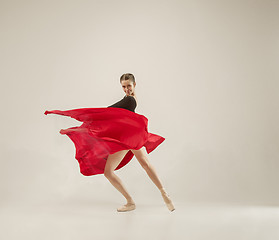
x,y
127,207
168,201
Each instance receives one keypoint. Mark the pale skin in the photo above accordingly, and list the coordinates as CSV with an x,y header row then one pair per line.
x,y
113,160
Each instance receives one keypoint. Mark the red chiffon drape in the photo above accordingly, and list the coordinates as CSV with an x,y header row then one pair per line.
x,y
105,131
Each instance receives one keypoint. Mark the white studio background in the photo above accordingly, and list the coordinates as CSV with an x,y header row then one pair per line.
x,y
206,80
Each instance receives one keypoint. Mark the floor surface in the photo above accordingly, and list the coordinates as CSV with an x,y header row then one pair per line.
x,y
149,221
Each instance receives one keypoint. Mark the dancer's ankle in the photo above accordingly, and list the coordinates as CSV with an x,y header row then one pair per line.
x,y
130,201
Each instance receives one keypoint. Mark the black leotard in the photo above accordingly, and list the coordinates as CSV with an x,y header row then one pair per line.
x,y
127,102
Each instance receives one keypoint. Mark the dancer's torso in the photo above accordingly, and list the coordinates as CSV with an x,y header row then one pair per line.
x,y
127,102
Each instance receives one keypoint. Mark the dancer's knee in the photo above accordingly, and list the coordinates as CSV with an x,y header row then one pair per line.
x,y
142,158
145,164
108,173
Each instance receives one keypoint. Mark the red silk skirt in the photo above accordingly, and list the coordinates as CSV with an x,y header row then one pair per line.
x,y
105,131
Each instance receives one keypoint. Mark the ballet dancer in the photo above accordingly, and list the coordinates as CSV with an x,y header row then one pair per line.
x,y
109,138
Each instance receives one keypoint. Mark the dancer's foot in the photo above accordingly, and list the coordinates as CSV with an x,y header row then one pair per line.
x,y
127,207
167,200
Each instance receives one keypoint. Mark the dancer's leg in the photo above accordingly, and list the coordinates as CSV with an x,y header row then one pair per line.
x,y
113,161
150,170
148,167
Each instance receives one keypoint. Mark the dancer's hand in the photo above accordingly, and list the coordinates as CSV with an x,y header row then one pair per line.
x,y
62,131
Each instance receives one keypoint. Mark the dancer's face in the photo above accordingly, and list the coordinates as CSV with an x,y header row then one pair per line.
x,y
128,87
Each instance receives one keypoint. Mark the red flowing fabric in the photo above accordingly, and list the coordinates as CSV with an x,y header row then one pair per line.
x,y
105,131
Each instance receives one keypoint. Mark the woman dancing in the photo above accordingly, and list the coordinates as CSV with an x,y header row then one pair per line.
x,y
109,138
